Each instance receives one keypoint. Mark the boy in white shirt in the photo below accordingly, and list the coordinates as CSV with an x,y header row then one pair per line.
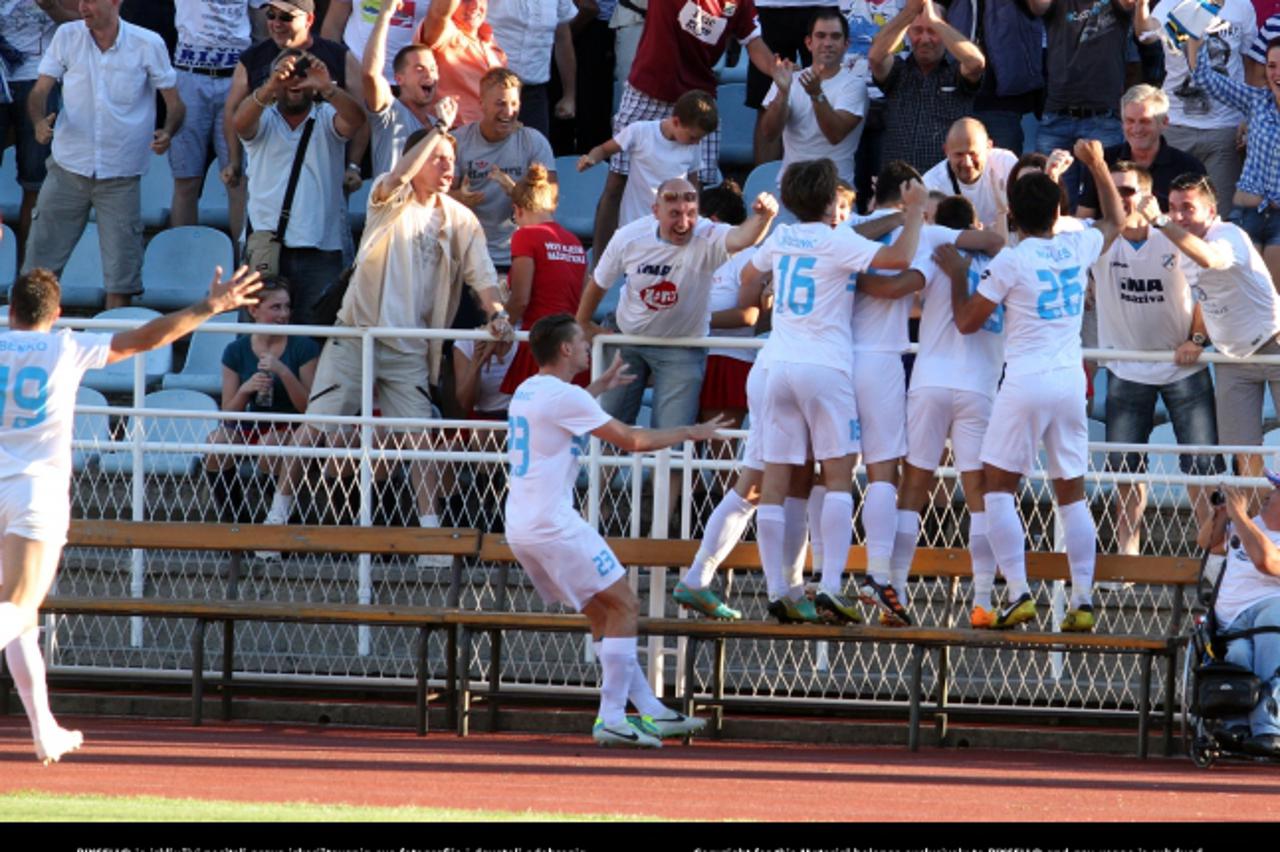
x,y
1041,284
809,387
658,151
549,422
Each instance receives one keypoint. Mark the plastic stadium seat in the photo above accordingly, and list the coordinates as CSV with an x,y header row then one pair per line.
x,y
202,370
737,126
82,276
736,73
118,377
212,206
179,264
157,192
10,192
579,194
763,178
358,206
173,430
8,259
89,427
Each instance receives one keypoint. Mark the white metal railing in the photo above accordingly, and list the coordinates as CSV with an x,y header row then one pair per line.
x,y
367,453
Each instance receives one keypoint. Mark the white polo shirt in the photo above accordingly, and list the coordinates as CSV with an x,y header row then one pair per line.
x,y
108,99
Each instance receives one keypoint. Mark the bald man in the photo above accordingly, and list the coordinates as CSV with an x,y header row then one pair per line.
x,y
975,168
664,266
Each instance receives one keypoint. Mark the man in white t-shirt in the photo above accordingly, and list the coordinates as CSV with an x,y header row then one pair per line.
x,y
1238,300
953,385
975,168
1249,598
818,112
809,389
548,424
418,251
664,266
1143,302
40,371
392,117
880,339
1041,283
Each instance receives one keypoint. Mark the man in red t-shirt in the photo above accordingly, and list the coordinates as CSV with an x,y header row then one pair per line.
x,y
682,41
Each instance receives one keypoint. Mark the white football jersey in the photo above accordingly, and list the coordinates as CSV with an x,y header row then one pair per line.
x,y
39,375
949,359
548,425
815,270
880,325
1041,284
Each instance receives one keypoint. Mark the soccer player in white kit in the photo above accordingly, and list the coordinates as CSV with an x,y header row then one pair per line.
x,y
40,370
953,385
1041,284
548,424
880,337
809,389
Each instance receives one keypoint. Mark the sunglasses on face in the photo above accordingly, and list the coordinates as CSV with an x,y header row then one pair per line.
x,y
1127,191
275,15
671,195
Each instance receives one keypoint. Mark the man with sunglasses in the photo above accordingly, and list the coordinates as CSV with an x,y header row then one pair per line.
x,y
665,263
1144,303
289,25
393,117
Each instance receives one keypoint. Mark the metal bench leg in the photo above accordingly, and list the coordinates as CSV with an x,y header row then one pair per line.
x,y
451,676
1170,684
228,666
917,667
690,658
6,684
424,635
197,673
717,687
495,676
464,684
1144,706
944,686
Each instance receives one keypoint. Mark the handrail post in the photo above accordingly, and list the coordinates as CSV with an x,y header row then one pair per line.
x,y
364,589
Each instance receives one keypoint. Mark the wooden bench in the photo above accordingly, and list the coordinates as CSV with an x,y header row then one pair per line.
x,y
932,563
236,539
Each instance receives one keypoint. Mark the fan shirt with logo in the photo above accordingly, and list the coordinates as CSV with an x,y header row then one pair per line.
x,y
683,39
666,287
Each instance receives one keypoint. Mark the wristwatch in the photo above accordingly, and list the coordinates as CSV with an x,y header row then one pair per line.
x,y
1161,221
819,98
1199,339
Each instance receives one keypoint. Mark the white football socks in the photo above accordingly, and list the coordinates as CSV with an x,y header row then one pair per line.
x,y
837,536
904,551
817,495
880,522
1006,536
984,561
771,530
796,512
26,667
641,694
724,529
616,656
1082,550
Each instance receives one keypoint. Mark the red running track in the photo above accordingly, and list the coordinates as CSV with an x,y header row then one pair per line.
x,y
569,774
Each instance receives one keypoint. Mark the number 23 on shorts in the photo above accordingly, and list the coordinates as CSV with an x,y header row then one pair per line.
x,y
604,562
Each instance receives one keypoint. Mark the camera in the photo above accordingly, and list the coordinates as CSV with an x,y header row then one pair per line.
x,y
1217,498
303,64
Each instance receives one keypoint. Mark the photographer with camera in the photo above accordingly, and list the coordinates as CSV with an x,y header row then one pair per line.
x,y
295,127
1248,597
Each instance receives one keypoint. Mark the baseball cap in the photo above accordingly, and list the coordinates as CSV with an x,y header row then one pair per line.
x,y
307,7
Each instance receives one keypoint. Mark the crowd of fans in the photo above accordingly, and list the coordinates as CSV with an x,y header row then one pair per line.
x,y
300,101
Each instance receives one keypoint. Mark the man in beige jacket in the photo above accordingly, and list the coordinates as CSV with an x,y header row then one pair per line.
x,y
420,248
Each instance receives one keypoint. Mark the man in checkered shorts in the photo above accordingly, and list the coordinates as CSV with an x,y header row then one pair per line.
x,y
682,41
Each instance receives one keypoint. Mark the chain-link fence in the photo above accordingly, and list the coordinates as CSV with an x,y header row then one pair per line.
x,y
148,456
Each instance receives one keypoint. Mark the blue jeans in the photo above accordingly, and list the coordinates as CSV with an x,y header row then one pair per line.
x,y
1131,408
1061,131
309,272
1261,653
677,384
1262,226
1004,128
